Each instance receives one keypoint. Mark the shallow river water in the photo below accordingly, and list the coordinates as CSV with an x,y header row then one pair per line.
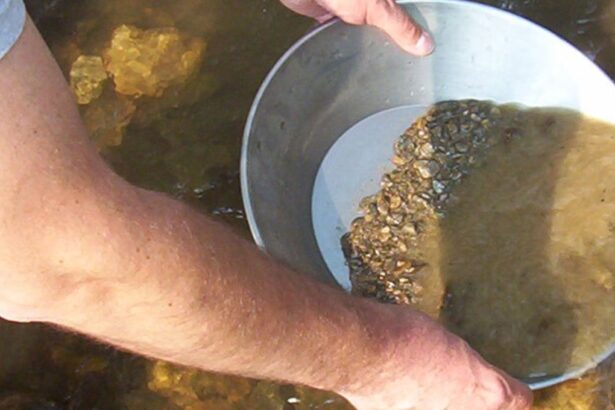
x,y
186,142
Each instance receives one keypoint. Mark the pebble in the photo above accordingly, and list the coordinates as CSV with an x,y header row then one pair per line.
x,y
430,159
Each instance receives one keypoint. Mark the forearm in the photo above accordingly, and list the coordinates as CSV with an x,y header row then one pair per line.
x,y
48,170
187,289
81,248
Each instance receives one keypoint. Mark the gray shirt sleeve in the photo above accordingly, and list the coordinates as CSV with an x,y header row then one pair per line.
x,y
12,19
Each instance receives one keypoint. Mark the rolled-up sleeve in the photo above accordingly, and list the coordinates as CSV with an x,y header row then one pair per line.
x,y
12,20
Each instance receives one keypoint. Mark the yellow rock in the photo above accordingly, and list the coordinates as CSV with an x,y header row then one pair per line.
x,y
87,78
171,380
106,119
191,389
146,62
573,395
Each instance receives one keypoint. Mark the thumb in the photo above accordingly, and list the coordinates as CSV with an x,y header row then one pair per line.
x,y
390,17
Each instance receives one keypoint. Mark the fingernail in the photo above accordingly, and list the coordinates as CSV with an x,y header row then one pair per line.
x,y
425,44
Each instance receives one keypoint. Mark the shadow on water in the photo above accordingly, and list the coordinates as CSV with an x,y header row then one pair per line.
x,y
502,293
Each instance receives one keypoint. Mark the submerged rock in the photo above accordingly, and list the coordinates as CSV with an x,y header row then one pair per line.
x,y
107,118
87,78
146,62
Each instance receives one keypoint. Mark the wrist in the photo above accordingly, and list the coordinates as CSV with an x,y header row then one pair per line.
x,y
368,345
410,353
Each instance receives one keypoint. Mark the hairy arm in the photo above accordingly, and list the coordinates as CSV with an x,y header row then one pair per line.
x,y
81,248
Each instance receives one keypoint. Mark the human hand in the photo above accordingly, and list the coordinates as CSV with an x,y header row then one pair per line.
x,y
384,14
424,367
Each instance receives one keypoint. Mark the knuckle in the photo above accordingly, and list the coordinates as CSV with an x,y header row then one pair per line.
x,y
350,12
413,31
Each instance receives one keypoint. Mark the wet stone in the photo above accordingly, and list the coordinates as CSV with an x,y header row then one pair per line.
x,y
427,169
87,78
146,62
430,159
438,187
